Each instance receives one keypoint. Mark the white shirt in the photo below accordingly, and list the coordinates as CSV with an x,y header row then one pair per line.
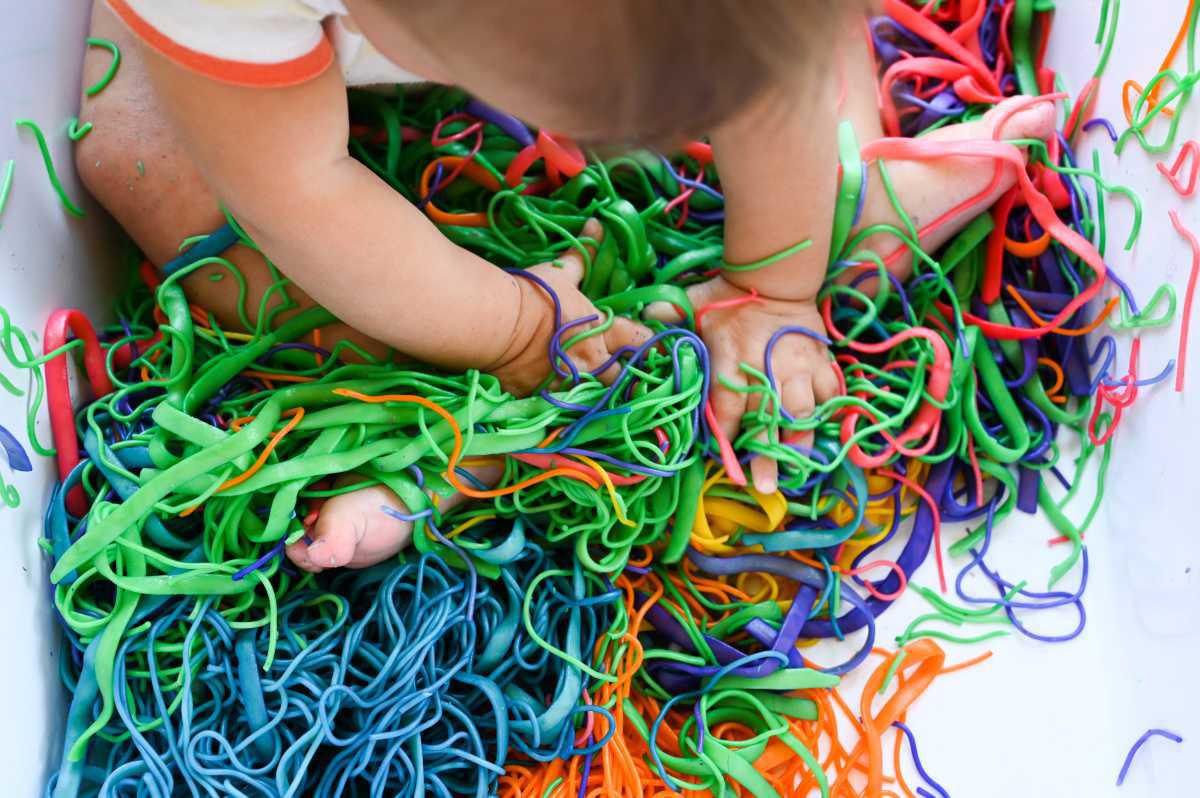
x,y
259,42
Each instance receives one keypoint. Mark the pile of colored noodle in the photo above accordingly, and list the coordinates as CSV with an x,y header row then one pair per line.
x,y
620,614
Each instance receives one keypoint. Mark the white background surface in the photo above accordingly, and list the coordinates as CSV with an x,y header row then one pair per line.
x,y
1057,720
1036,720
47,260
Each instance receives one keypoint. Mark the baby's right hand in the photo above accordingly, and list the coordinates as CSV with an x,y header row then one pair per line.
x,y
526,362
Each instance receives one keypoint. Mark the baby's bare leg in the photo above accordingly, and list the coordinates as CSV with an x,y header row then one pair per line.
x,y
928,189
135,166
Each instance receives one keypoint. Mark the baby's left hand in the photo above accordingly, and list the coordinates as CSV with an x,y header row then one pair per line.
x,y
804,376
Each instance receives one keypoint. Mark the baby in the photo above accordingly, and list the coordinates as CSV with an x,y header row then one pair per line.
x,y
243,104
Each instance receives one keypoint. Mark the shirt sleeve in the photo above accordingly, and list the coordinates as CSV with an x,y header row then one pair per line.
x,y
258,43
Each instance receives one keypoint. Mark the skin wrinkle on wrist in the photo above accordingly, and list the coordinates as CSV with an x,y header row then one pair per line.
x,y
794,279
788,296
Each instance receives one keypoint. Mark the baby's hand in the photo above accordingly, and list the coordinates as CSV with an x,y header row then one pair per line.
x,y
739,334
526,363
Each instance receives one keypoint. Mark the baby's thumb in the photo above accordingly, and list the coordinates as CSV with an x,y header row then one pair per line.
x,y
662,311
699,294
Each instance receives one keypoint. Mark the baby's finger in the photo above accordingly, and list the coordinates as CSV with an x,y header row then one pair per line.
x,y
571,264
764,471
798,401
797,395
825,384
728,405
623,334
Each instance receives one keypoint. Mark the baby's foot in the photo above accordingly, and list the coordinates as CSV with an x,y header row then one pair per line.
x,y
353,531
929,189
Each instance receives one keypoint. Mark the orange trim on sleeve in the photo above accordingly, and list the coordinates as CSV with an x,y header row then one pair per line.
x,y
238,73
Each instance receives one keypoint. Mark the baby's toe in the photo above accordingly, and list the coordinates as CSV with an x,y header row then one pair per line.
x,y
353,530
1033,121
298,554
335,535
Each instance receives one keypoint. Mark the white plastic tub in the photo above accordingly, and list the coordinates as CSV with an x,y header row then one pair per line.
x,y
47,260
1036,720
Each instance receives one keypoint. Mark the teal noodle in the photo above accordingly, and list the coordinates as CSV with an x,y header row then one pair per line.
x,y
381,684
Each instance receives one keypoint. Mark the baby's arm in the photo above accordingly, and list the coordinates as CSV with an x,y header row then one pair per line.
x,y
278,159
778,165
778,162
